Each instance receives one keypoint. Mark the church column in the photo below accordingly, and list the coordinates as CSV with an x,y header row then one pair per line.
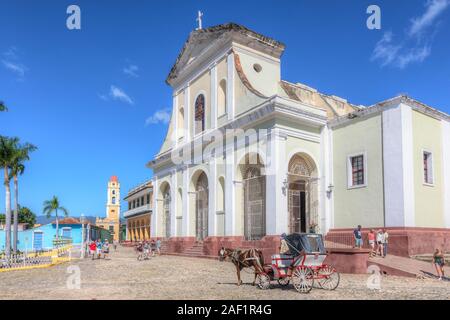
x,y
212,197
214,96
230,85
326,180
186,204
277,215
187,114
175,113
155,212
230,196
398,164
173,203
446,170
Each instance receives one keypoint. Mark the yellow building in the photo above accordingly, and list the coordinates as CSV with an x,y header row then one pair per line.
x,y
138,215
112,220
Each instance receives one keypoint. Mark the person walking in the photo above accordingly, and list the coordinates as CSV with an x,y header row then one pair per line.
x,y
385,242
92,249
371,237
99,248
439,263
380,240
147,250
105,249
115,245
357,236
158,246
153,247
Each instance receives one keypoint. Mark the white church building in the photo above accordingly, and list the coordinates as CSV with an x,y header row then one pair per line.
x,y
249,156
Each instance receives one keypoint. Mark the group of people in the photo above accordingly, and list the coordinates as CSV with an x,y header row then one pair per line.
x,y
98,248
148,249
378,241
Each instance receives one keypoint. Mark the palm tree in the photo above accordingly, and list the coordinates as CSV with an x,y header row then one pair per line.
x,y
7,152
17,167
3,107
53,205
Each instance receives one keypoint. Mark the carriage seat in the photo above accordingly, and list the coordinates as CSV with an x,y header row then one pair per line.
x,y
282,260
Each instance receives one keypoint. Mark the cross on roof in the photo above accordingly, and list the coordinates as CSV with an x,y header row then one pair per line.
x,y
199,19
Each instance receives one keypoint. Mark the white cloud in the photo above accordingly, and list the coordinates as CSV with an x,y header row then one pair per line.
x,y
131,70
118,94
385,50
399,55
160,116
17,68
11,53
418,54
415,46
433,9
11,62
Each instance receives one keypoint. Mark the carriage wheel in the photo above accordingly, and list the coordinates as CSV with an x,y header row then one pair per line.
x,y
329,278
263,281
303,279
283,281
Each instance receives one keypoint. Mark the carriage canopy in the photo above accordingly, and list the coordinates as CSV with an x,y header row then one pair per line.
x,y
309,242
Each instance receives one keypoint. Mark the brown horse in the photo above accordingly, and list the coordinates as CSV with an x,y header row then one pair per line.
x,y
243,259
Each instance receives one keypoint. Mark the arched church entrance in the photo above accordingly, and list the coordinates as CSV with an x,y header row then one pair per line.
x,y
201,206
302,194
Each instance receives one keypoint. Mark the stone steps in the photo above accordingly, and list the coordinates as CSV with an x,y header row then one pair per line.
x,y
409,267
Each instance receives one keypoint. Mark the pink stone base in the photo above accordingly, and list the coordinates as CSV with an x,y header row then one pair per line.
x,y
348,260
404,242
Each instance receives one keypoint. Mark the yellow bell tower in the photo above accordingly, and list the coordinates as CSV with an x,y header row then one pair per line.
x,y
112,220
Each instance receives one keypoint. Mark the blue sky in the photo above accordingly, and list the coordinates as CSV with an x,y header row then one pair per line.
x,y
95,102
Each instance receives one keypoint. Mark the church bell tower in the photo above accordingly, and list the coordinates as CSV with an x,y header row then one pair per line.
x,y
113,204
112,220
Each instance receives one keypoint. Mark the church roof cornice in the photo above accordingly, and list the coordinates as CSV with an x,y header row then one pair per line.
x,y
214,33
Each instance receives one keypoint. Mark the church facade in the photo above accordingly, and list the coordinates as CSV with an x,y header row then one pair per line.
x,y
249,156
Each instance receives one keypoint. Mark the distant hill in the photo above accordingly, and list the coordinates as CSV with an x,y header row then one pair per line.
x,y
45,220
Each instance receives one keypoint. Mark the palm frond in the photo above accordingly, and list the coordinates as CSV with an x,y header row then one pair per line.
x,y
3,107
64,210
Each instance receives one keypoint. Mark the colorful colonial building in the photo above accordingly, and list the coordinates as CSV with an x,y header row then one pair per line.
x,y
140,208
249,156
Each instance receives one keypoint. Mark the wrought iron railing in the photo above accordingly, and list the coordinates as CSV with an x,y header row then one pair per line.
x,y
344,241
41,258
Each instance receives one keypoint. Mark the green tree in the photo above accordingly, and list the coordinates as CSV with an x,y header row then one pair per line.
x,y
51,206
27,216
21,154
3,107
7,154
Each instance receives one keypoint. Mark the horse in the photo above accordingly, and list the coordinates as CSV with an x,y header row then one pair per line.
x,y
243,259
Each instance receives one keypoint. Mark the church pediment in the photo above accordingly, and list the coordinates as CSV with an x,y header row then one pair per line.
x,y
200,40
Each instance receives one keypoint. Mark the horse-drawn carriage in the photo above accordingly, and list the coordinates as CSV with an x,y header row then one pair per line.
x,y
303,265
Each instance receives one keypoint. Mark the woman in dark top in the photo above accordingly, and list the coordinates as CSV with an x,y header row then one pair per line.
x,y
439,262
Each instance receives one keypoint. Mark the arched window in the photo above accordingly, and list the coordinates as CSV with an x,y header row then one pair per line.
x,y
222,98
254,203
113,200
199,116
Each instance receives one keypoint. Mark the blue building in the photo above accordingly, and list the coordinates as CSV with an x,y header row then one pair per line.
x,y
41,237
